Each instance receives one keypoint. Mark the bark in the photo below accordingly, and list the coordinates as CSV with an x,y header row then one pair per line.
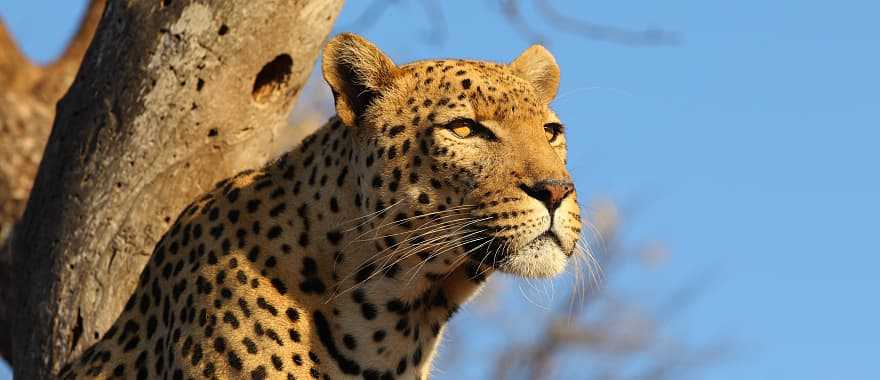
x,y
28,94
172,96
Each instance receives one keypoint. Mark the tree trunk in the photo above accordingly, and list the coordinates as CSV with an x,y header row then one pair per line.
x,y
28,94
172,96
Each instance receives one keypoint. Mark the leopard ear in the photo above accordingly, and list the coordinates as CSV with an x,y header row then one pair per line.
x,y
357,72
538,66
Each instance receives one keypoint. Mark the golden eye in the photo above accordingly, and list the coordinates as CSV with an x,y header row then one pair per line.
x,y
463,131
461,128
552,131
464,128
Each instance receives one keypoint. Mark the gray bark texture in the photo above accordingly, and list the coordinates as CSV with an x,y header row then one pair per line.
x,y
172,96
28,94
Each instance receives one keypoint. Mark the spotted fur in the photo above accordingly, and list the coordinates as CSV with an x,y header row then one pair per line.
x,y
345,257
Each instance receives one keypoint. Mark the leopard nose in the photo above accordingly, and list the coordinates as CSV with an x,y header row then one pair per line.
x,y
550,192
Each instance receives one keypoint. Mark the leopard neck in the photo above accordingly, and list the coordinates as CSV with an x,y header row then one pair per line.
x,y
355,269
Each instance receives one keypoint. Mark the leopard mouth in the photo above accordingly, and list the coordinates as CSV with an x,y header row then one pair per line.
x,y
550,235
543,256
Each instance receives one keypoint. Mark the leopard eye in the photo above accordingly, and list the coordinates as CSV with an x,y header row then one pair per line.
x,y
464,128
461,128
552,131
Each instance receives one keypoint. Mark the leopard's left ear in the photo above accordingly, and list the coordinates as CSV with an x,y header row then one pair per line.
x,y
538,66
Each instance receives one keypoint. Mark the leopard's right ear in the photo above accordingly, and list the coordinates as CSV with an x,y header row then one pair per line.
x,y
357,72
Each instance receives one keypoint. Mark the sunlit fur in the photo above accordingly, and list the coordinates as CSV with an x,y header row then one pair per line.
x,y
347,256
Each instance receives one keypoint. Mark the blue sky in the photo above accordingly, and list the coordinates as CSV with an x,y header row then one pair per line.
x,y
751,150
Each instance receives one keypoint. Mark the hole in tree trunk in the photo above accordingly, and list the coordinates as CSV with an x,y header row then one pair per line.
x,y
272,79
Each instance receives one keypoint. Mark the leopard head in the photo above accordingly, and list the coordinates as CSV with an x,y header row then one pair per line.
x,y
458,138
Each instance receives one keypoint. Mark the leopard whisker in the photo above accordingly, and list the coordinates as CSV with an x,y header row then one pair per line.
x,y
480,265
579,284
447,226
409,232
450,210
370,261
413,249
484,269
453,212
466,253
593,265
443,248
418,267
447,248
371,216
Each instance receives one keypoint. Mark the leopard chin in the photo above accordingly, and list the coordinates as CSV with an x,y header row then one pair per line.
x,y
543,257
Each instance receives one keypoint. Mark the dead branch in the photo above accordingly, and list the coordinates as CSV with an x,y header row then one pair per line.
x,y
613,34
511,11
608,331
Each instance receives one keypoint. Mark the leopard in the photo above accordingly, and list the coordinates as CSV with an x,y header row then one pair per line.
x,y
347,256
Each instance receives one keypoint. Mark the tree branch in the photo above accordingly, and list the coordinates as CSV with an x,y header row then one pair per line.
x,y
647,37
58,75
